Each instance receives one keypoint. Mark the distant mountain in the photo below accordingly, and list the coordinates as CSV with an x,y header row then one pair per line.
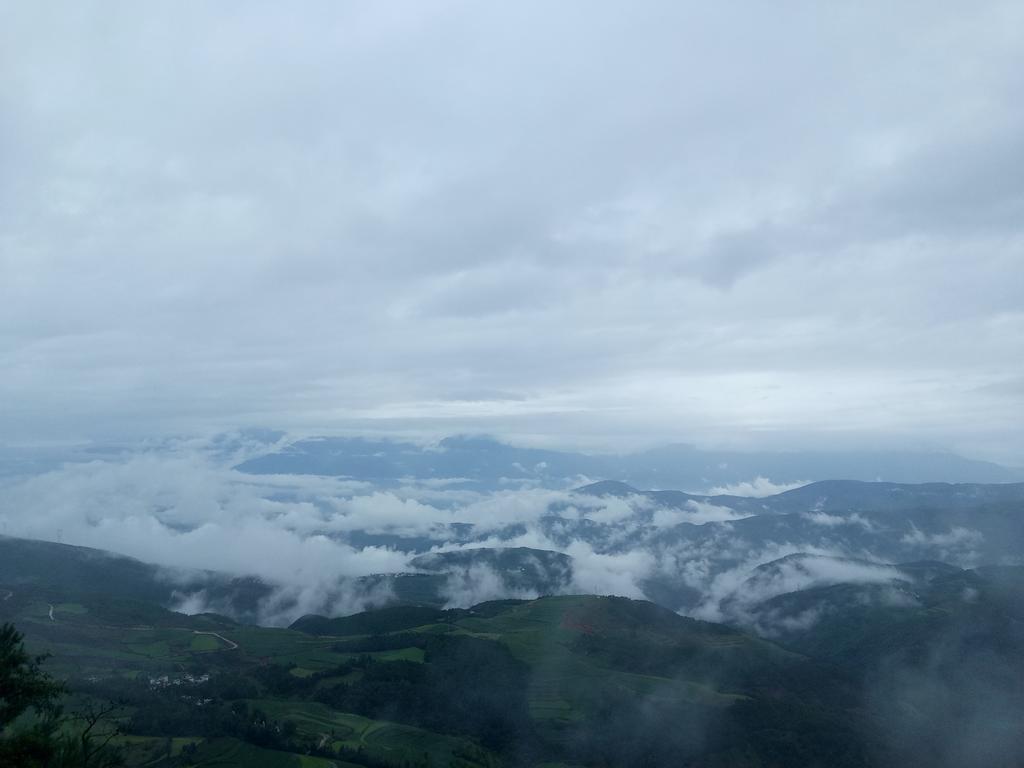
x,y
95,571
850,496
774,596
892,522
882,616
685,541
834,496
28,561
390,619
539,571
487,463
441,577
847,525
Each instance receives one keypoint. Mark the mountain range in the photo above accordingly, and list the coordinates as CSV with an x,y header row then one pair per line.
x,y
483,462
840,623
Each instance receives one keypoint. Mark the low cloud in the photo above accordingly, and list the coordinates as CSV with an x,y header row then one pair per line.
x,y
955,537
778,569
955,704
758,487
182,510
286,602
609,574
696,513
466,587
832,521
314,540
958,544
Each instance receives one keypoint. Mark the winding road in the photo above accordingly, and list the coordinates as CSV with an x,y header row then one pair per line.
x,y
231,643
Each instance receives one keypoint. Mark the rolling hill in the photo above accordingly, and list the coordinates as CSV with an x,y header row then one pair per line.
x,y
582,680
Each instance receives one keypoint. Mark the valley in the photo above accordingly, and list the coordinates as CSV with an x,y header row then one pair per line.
x,y
813,658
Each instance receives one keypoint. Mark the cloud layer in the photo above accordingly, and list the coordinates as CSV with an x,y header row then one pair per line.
x,y
579,223
312,538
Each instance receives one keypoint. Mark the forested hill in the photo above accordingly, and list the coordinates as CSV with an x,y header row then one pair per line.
x,y
570,680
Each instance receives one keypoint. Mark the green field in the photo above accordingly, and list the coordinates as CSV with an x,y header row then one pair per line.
x,y
379,738
231,752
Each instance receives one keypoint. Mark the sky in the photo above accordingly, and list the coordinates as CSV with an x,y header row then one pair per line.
x,y
584,224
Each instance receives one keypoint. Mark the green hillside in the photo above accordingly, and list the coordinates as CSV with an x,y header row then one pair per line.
x,y
568,680
572,680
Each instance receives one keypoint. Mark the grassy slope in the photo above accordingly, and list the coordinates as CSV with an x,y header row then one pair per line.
x,y
579,649
379,738
543,633
95,636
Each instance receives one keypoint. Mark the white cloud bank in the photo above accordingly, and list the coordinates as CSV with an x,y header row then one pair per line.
x,y
758,487
182,507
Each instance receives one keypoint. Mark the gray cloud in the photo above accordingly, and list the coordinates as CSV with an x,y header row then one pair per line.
x,y
781,226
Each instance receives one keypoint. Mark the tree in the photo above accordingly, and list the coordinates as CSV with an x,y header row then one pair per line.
x,y
23,686
88,746
22,683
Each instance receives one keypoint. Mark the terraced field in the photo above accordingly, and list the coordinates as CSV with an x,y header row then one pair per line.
x,y
232,752
379,738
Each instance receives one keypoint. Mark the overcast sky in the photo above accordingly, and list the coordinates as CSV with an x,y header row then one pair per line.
x,y
581,223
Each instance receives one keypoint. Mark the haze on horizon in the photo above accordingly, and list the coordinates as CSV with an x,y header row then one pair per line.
x,y
578,224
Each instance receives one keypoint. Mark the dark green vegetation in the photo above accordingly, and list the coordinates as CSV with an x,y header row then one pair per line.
x,y
921,672
34,731
24,689
561,680
939,665
66,567
63,566
581,680
521,568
